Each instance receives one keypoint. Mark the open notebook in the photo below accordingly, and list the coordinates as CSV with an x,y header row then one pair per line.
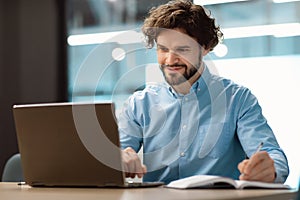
x,y
70,144
210,181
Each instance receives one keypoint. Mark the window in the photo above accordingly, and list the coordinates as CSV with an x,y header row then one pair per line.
x,y
114,62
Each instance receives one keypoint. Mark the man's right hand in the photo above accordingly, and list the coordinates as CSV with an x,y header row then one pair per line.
x,y
132,164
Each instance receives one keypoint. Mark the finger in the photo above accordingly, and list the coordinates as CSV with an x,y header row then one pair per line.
x,y
126,164
144,171
132,163
129,150
242,165
246,166
266,164
260,168
263,171
137,165
266,175
255,160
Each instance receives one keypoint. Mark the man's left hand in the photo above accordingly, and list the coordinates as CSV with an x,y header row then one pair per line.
x,y
260,167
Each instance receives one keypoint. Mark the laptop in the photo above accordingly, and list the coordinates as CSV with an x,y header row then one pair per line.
x,y
71,144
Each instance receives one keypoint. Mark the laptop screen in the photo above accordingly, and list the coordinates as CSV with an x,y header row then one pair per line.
x,y
69,144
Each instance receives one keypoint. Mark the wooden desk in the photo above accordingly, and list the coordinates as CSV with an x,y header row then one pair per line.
x,y
12,191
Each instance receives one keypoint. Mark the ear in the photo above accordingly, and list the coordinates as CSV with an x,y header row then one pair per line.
x,y
205,52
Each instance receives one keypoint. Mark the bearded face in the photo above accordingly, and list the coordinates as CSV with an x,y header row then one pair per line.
x,y
179,56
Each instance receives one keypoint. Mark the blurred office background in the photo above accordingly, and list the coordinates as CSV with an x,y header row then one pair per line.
x,y
92,50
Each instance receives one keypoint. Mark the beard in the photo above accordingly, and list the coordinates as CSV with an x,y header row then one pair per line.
x,y
175,78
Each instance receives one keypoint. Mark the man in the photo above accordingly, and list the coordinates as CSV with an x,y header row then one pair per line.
x,y
196,122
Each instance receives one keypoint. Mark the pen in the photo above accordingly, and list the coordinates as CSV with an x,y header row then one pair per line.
x,y
257,150
259,147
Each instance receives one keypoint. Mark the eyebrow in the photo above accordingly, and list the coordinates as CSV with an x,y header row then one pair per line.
x,y
177,47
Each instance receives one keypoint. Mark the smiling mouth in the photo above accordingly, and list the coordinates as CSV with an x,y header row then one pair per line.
x,y
173,67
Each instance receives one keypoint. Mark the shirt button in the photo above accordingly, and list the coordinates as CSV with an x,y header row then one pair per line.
x,y
186,99
182,154
184,127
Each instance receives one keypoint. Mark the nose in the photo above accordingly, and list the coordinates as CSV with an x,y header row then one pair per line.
x,y
171,58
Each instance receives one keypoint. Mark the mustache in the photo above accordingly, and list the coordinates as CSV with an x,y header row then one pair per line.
x,y
175,65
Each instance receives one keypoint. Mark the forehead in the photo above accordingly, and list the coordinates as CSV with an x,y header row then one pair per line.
x,y
175,38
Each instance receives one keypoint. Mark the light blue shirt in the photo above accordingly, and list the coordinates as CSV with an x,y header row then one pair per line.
x,y
207,131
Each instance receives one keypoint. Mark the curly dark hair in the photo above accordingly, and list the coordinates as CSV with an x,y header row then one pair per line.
x,y
195,20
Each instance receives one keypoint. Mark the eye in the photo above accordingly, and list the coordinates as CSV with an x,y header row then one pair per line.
x,y
183,50
163,49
